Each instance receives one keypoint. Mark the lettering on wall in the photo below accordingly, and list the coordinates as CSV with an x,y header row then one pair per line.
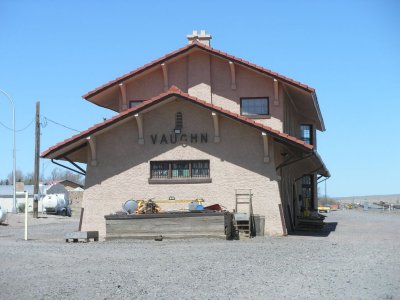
x,y
173,138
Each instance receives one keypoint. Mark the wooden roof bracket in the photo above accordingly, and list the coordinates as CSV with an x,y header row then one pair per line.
x,y
92,145
266,147
276,92
81,171
215,117
139,121
291,160
124,100
165,75
233,75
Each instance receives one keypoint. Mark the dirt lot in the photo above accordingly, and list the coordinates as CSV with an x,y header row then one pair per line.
x,y
355,257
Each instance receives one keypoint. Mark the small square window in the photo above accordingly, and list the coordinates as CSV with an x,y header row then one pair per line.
x,y
306,133
254,106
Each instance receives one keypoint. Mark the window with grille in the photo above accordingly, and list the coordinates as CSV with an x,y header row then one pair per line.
x,y
159,169
306,133
180,169
254,106
307,186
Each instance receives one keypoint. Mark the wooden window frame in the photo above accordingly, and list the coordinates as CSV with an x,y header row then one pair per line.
x,y
169,179
311,133
255,116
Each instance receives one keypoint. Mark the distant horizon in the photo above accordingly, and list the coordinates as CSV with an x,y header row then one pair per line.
x,y
368,196
320,196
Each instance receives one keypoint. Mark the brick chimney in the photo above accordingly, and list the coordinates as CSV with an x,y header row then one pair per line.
x,y
201,37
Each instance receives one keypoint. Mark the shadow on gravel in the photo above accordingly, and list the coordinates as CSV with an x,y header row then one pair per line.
x,y
324,232
2,224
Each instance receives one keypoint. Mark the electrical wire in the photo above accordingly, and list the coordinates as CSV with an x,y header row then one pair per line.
x,y
19,130
45,120
43,123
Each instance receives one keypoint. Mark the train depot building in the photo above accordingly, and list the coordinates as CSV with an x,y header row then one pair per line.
x,y
199,123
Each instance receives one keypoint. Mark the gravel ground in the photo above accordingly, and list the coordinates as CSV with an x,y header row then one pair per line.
x,y
358,260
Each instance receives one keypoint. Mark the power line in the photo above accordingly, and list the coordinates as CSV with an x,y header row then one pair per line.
x,y
45,120
43,123
26,127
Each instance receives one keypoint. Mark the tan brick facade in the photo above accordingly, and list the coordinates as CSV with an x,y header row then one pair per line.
x,y
242,156
123,166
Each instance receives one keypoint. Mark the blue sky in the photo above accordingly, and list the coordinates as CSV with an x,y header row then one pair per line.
x,y
349,51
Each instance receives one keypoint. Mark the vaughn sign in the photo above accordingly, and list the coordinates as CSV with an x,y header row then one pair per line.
x,y
184,138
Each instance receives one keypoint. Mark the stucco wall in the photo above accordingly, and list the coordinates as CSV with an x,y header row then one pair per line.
x,y
146,86
177,74
248,84
209,78
123,166
199,75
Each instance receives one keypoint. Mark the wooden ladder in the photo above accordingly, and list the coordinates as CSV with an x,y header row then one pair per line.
x,y
242,221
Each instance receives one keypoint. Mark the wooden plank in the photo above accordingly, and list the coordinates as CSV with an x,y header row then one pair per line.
x,y
165,215
162,226
171,227
80,219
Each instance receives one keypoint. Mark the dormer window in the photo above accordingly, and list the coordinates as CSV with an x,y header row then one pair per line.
x,y
252,107
306,133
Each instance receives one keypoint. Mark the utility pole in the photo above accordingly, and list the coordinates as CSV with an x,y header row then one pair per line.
x,y
14,207
36,171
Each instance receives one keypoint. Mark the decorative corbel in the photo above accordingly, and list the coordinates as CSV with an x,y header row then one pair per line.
x,y
139,121
276,92
266,149
233,75
124,104
217,138
92,145
165,75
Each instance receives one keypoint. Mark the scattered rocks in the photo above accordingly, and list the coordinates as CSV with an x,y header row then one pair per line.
x,y
356,261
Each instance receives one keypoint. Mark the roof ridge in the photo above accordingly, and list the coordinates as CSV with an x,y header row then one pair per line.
x,y
181,50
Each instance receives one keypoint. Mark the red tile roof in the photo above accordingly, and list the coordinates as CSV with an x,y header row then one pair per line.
x,y
174,91
205,48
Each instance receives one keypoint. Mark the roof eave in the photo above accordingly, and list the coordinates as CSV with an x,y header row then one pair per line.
x,y
323,170
137,71
185,49
176,92
318,110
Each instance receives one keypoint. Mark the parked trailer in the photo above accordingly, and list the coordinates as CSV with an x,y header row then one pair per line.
x,y
57,204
